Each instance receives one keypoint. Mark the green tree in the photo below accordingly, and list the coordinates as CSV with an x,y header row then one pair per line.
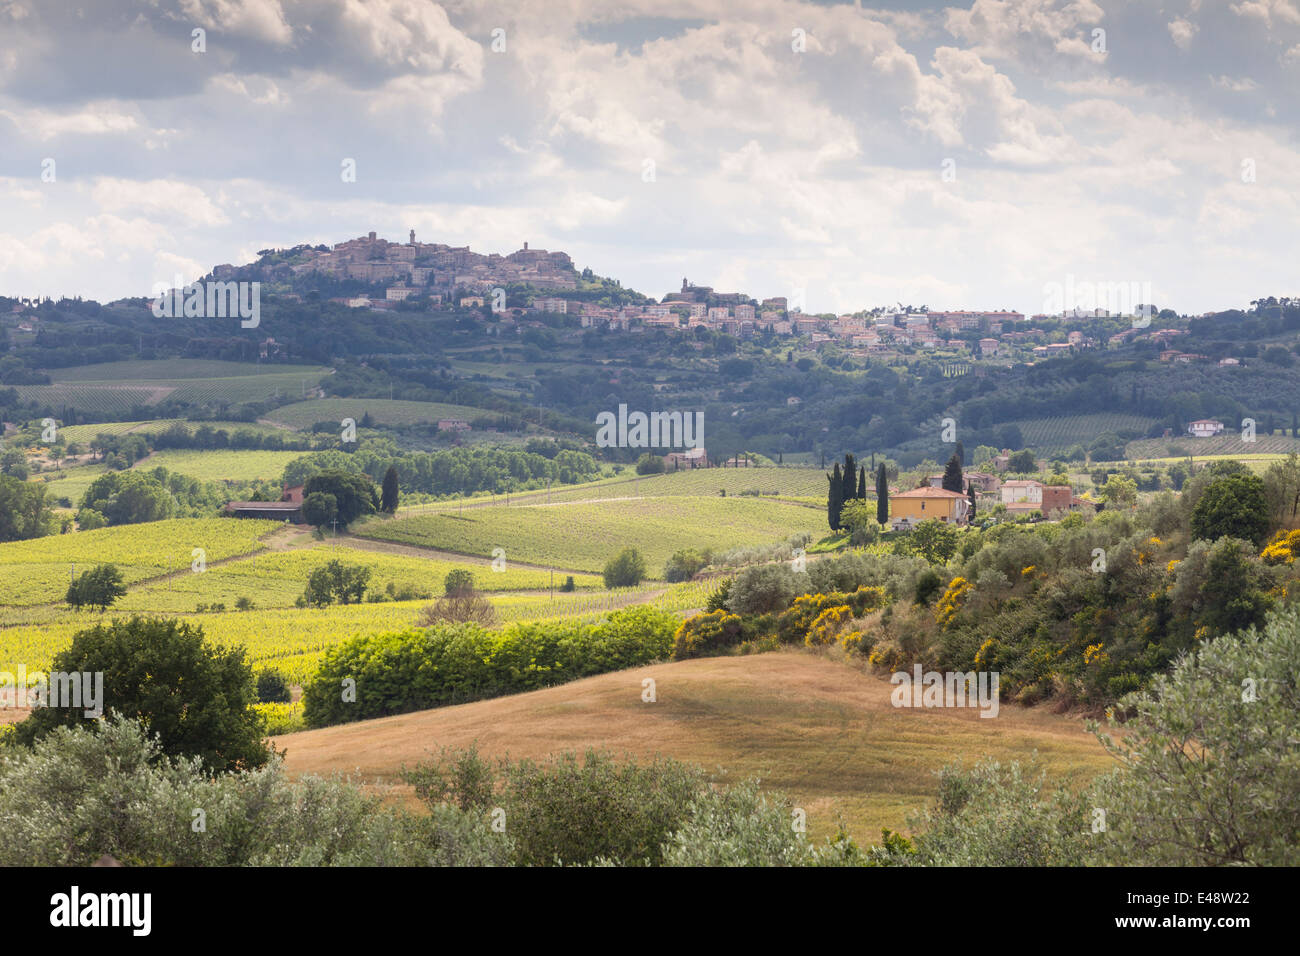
x,y
1022,461
320,509
24,512
99,587
1209,775
882,495
862,483
952,476
458,580
835,497
1234,506
196,698
1118,490
354,494
971,495
336,581
388,496
627,569
850,479
936,541
649,464
128,497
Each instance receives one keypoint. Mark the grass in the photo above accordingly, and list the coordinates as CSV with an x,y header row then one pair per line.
x,y
584,535
1228,444
301,415
822,731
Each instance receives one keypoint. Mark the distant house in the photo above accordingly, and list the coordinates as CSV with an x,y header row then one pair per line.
x,y
288,508
690,458
453,425
983,482
1204,428
1024,495
794,400
909,508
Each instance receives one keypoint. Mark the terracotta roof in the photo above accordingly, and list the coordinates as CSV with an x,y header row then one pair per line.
x,y
930,493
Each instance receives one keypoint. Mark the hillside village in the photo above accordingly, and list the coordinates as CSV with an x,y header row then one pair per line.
x,y
451,277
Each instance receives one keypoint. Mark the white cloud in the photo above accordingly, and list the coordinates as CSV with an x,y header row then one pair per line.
x,y
1182,31
171,198
46,124
260,19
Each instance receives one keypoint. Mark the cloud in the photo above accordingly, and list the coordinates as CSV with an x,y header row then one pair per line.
x,y
1183,32
93,121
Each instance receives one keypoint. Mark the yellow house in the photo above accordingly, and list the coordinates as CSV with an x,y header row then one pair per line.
x,y
909,508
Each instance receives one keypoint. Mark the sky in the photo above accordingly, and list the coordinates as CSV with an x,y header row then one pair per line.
x,y
979,155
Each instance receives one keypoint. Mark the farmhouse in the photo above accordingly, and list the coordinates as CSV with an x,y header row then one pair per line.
x,y
983,482
1024,496
690,458
910,508
453,425
288,508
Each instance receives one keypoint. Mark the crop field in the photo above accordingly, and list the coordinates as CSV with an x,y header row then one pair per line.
x,y
38,571
292,639
382,412
585,535
1228,444
275,579
1064,431
171,369
73,483
121,386
222,465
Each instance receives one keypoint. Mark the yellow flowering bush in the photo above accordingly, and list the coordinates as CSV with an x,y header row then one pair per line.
x,y
1283,548
952,600
828,625
706,634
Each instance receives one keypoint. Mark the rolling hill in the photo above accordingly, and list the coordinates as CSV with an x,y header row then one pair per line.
x,y
822,731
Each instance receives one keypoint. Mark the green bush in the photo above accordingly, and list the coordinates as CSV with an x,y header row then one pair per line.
x,y
626,570
456,663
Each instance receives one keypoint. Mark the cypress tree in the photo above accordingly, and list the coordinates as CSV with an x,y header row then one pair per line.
x,y
961,453
835,498
850,480
952,479
862,483
971,516
882,495
388,494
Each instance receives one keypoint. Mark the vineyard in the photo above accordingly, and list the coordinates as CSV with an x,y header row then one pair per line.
x,y
276,579
1055,434
222,465
1228,443
118,387
585,535
291,640
301,415
38,571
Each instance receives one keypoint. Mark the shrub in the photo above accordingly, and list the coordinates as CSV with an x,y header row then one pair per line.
x,y
1234,506
568,584
706,634
455,663
684,565
927,586
719,596
764,589
459,607
626,570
